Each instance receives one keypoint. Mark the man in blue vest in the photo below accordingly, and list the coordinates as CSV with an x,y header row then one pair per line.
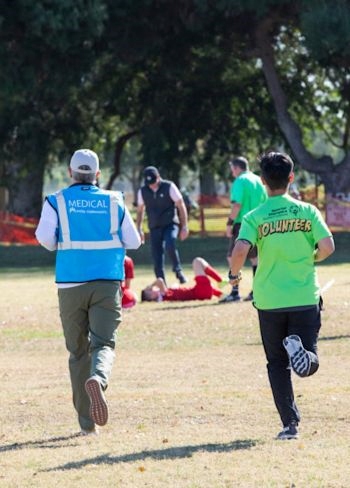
x,y
167,219
90,229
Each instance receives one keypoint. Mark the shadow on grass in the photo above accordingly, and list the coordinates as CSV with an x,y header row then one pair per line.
x,y
157,454
51,443
334,338
182,306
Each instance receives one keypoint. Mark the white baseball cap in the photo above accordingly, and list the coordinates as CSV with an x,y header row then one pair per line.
x,y
84,161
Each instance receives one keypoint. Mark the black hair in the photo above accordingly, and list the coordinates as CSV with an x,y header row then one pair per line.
x,y
276,168
145,297
240,162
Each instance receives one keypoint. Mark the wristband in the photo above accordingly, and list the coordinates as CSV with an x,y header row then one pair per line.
x,y
229,221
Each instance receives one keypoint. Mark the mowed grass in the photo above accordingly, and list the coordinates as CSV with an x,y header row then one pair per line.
x,y
190,403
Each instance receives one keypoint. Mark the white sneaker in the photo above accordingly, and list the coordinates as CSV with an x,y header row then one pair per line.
x,y
299,358
93,431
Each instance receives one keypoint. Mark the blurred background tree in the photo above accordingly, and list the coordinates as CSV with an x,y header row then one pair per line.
x,y
180,84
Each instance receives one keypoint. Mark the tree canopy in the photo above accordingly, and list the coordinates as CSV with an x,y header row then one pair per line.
x,y
193,80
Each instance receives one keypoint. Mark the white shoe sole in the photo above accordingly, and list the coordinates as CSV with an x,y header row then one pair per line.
x,y
299,358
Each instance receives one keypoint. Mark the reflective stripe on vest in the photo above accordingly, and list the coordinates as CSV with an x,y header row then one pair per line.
x,y
67,243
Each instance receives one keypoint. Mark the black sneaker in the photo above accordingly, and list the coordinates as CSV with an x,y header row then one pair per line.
x,y
299,358
182,279
232,297
288,432
249,297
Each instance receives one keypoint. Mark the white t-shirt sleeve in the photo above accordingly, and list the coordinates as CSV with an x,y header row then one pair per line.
x,y
46,232
130,237
175,193
139,197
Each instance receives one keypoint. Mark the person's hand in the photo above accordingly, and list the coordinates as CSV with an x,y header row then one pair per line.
x,y
229,230
142,235
183,233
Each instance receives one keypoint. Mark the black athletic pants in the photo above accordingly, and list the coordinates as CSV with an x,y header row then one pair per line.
x,y
274,327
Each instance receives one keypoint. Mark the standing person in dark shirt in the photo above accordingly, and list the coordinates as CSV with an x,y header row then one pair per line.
x,y
167,220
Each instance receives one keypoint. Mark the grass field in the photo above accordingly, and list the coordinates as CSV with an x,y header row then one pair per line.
x,y
190,404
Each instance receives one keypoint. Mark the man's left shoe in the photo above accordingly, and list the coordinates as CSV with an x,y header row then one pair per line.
x,y
249,297
182,279
288,432
299,358
98,404
230,298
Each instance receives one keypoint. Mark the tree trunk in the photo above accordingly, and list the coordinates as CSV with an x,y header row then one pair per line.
x,y
119,146
335,177
25,189
207,184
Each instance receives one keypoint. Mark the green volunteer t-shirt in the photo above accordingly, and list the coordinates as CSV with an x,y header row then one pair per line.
x,y
247,190
286,232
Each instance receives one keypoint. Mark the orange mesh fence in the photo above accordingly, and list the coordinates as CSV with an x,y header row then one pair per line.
x,y
17,230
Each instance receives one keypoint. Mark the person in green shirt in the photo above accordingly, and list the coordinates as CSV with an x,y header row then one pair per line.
x,y
290,236
247,193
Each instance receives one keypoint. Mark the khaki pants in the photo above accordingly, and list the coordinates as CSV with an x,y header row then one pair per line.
x,y
90,314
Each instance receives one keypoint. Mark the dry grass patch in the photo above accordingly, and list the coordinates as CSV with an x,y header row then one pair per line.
x,y
190,404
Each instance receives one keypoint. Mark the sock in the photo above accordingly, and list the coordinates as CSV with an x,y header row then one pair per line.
x,y
210,271
216,291
234,290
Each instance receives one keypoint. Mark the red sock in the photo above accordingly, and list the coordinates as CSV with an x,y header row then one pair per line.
x,y
216,291
212,273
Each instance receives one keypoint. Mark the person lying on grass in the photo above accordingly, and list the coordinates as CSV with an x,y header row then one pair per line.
x,y
201,290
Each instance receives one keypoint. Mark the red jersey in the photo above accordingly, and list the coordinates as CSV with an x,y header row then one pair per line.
x,y
129,268
129,297
202,290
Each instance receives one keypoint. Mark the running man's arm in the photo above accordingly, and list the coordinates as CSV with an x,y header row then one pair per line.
x,y
130,237
325,247
46,232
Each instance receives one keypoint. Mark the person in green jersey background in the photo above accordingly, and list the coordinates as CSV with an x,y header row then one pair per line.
x,y
291,236
247,193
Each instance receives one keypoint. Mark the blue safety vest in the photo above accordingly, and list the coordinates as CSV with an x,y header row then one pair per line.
x,y
89,243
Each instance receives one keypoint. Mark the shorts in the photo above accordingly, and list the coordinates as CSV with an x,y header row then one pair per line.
x,y
253,251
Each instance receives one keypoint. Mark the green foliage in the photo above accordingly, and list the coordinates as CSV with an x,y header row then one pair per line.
x,y
327,30
184,75
46,56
